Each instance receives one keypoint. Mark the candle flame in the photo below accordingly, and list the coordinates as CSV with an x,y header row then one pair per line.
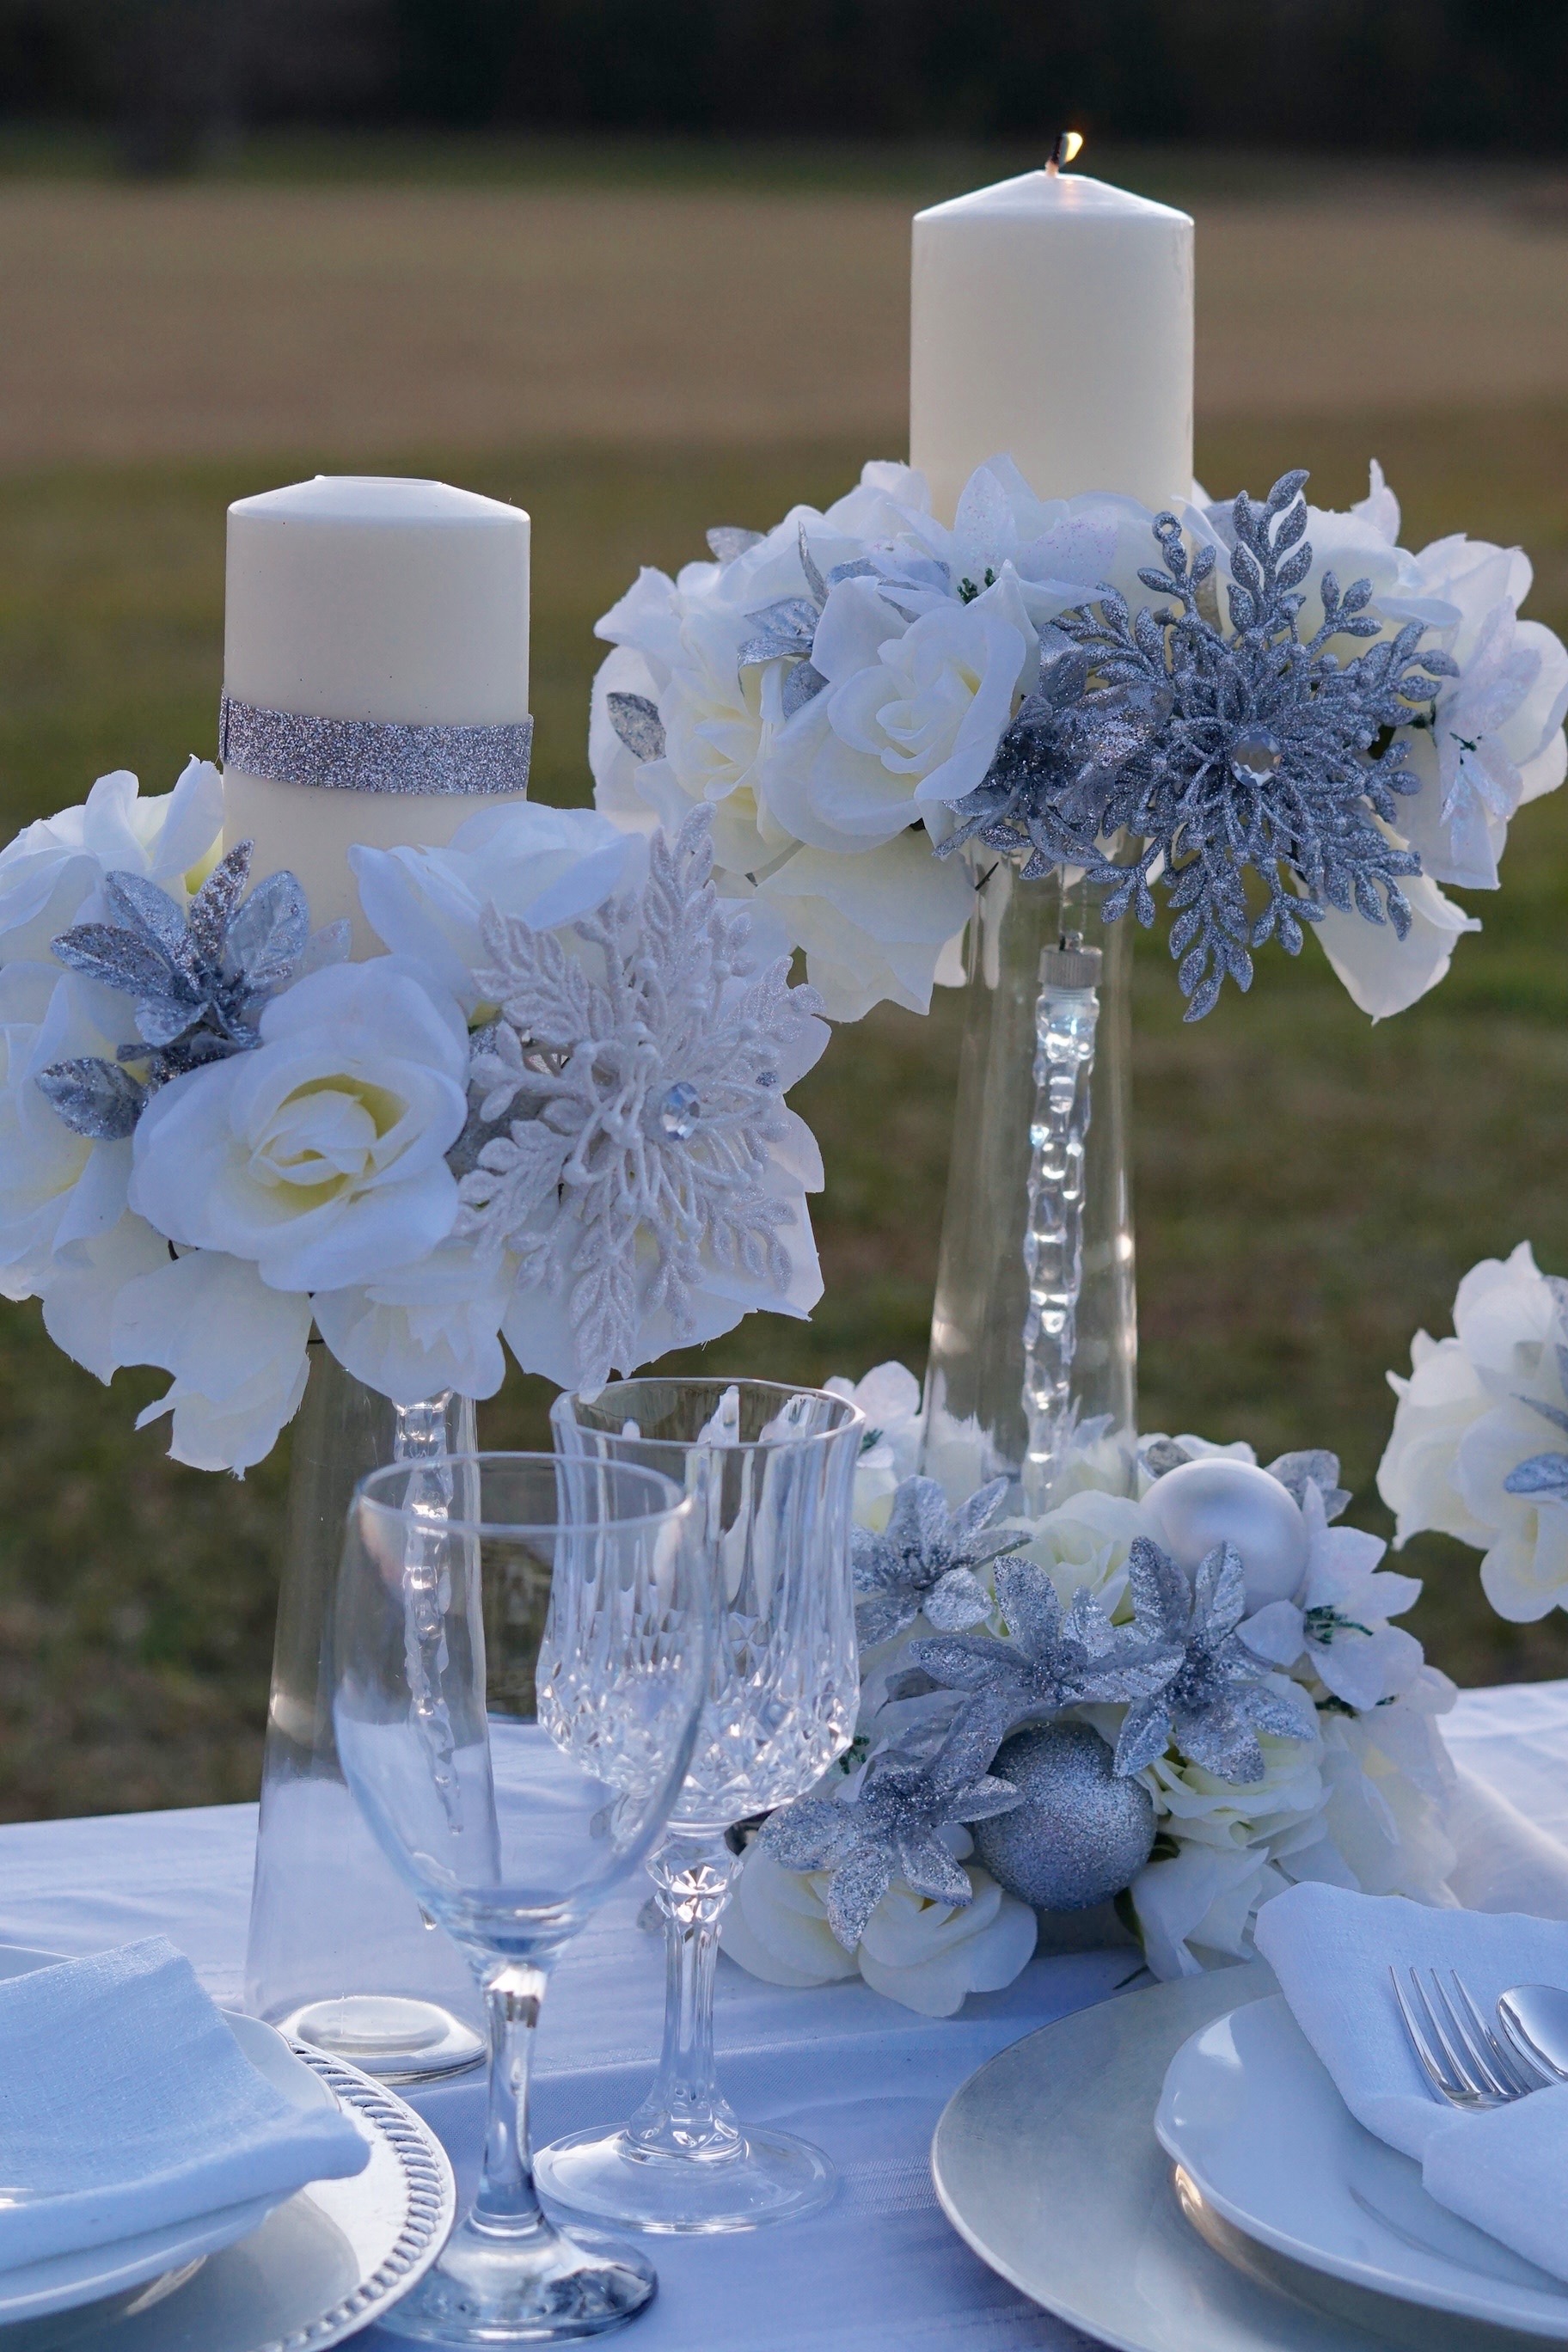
x,y
1068,147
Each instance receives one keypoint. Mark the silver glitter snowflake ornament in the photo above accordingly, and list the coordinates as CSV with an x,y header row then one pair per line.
x,y
1219,753
1213,1696
890,1828
201,977
627,1103
1052,1657
925,1559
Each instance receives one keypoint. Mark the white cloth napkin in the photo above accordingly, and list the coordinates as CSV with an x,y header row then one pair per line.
x,y
127,2104
1507,2170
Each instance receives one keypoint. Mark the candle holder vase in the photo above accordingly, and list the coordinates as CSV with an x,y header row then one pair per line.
x,y
340,1953
1034,1346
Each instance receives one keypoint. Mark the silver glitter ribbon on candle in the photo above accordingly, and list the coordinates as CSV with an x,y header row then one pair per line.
x,y
372,755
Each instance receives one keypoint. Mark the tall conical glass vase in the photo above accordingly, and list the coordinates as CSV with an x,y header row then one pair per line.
x,y
340,1953
1034,1343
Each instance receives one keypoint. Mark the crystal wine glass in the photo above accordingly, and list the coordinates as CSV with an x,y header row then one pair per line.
x,y
518,1679
771,1471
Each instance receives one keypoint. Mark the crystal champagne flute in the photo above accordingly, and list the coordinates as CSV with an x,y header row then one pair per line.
x,y
771,1472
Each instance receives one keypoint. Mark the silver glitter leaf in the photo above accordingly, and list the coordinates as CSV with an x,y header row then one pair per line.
x,y
1541,1474
727,540
200,976
1219,753
636,721
267,936
1316,1467
94,1097
801,685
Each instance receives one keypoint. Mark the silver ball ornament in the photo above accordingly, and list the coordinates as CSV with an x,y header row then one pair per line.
x,y
1080,1835
1201,1504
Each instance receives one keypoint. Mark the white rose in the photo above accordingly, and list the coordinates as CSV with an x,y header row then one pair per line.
x,y
416,1330
237,1349
546,865
1235,1847
926,1956
1437,1403
321,1155
1382,973
910,716
1497,736
1086,1544
81,1290
930,1957
58,1189
889,1397
1195,1908
957,1451
874,925
50,874
1389,1831
1475,1409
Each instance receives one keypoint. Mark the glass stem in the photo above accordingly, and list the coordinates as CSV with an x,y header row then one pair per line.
x,y
506,2200
685,2114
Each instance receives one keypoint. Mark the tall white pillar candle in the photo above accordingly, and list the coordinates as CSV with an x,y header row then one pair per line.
x,y
1051,321
353,596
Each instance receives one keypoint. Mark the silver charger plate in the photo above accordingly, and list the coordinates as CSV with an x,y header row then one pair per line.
x,y
322,2264
1046,2165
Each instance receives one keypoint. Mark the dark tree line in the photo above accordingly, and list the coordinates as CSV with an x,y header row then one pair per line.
x,y
1383,75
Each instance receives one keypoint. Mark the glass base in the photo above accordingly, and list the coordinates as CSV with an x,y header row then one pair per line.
x,y
387,2036
536,2287
748,2179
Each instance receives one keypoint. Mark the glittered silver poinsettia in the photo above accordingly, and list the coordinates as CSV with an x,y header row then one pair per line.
x,y
1052,1658
891,1828
1214,1695
925,1559
201,977
1219,752
629,1142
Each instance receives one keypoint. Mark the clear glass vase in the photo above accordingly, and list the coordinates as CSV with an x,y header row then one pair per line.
x,y
340,1953
1034,1342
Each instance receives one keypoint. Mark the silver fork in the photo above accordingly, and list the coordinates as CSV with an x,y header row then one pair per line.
x,y
1466,2062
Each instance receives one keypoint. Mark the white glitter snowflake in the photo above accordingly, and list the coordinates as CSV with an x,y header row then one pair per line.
x,y
630,1145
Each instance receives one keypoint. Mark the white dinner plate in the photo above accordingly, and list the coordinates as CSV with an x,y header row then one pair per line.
x,y
1047,2164
1251,2114
321,2262
64,2281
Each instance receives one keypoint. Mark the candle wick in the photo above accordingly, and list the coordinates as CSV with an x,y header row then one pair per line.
x,y
1065,147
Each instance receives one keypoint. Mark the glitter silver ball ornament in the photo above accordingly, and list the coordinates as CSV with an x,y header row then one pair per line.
x,y
1080,1835
1212,1502
680,1110
1254,756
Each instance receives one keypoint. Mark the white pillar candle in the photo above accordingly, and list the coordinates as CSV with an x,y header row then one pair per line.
x,y
353,596
1051,321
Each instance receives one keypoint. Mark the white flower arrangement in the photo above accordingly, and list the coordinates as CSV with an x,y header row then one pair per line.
x,y
1354,1774
1479,1446
835,687
551,1114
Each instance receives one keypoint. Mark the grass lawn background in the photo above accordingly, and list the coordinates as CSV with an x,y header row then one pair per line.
x,y
1309,1189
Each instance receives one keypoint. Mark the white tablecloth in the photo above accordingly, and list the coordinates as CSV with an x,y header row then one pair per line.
x,y
880,2270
